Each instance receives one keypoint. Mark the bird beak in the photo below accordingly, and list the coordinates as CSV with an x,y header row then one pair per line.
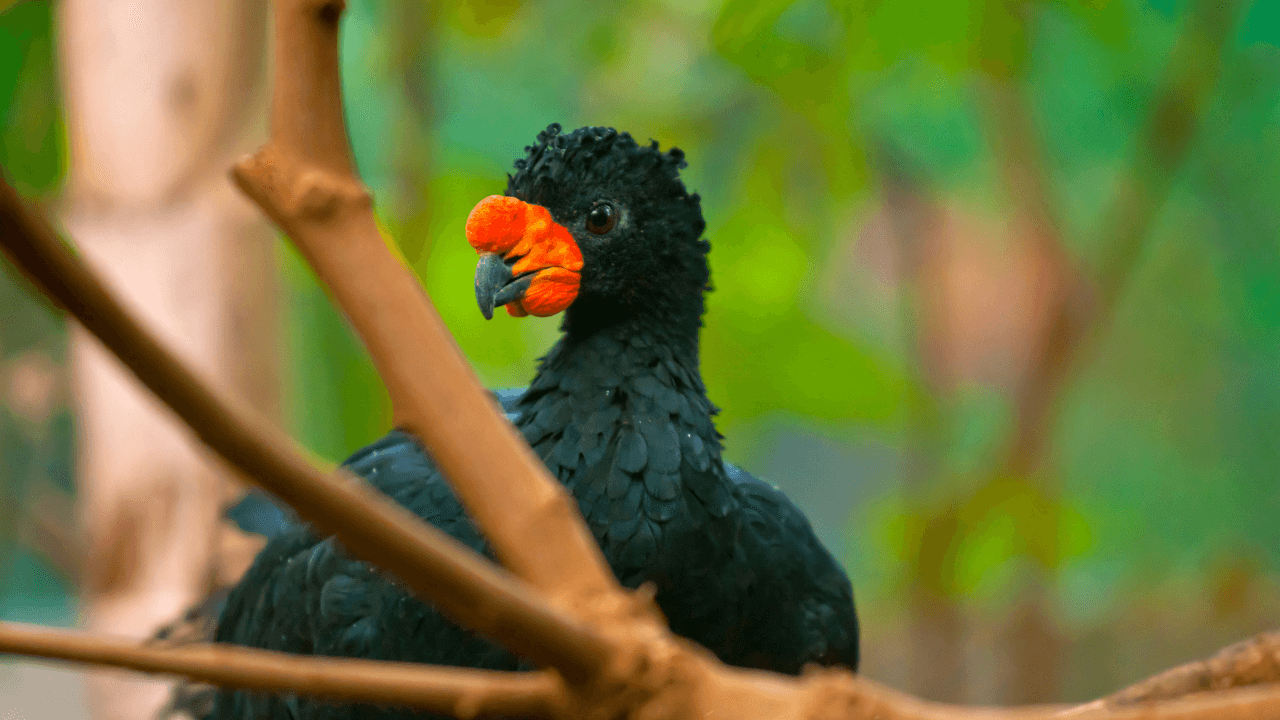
x,y
528,262
496,285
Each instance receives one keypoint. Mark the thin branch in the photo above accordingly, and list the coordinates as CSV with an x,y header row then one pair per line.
x,y
457,691
1020,157
861,698
432,564
1195,64
305,181
936,663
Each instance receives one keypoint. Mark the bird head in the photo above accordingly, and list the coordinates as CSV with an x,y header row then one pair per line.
x,y
592,223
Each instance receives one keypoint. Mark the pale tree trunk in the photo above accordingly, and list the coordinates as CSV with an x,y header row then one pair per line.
x,y
161,97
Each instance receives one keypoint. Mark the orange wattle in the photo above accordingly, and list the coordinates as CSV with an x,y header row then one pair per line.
x,y
513,228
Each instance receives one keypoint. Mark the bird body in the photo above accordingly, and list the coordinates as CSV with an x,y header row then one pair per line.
x,y
618,413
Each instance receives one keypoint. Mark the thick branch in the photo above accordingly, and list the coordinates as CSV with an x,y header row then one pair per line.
x,y
304,180
701,688
1255,661
456,691
432,564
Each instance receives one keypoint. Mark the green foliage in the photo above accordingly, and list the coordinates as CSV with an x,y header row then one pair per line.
x,y
773,102
957,545
33,453
31,138
336,401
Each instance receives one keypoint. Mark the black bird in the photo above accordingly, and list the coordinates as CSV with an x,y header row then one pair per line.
x,y
601,228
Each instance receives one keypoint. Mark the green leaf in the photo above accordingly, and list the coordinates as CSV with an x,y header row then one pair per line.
x,y
1107,21
804,76
32,144
483,18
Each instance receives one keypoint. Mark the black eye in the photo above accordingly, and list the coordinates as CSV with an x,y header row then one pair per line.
x,y
601,219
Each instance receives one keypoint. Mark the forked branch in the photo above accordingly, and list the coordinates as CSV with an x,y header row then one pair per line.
x,y
304,179
432,564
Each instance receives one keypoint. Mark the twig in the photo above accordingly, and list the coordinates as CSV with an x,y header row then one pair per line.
x,y
430,563
1195,64
1077,310
1020,158
457,691
304,180
936,626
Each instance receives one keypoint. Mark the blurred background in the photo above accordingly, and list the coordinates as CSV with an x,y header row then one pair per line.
x,y
997,298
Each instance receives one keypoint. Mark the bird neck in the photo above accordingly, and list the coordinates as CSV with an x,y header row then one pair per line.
x,y
605,321
636,365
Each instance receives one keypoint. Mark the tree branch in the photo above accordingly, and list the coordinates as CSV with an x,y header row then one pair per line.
x,y
314,196
304,179
720,692
432,564
1195,64
457,691
1255,661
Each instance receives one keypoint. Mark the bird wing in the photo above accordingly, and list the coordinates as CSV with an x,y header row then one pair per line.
x,y
304,594
803,583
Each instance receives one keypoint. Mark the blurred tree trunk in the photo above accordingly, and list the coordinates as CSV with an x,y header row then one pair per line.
x,y
161,96
1033,644
936,625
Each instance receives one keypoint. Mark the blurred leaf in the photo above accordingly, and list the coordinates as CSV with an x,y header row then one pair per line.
x,y
31,145
1002,39
602,44
760,350
338,403
483,18
958,542
1262,24
804,76
941,32
1107,21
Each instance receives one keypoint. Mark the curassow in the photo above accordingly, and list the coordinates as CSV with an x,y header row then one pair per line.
x,y
602,229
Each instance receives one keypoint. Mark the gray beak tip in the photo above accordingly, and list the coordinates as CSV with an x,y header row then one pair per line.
x,y
492,274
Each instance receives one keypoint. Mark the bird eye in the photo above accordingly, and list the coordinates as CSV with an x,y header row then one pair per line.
x,y
601,219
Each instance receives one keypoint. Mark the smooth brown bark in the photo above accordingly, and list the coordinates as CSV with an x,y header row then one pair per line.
x,y
305,181
1255,661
